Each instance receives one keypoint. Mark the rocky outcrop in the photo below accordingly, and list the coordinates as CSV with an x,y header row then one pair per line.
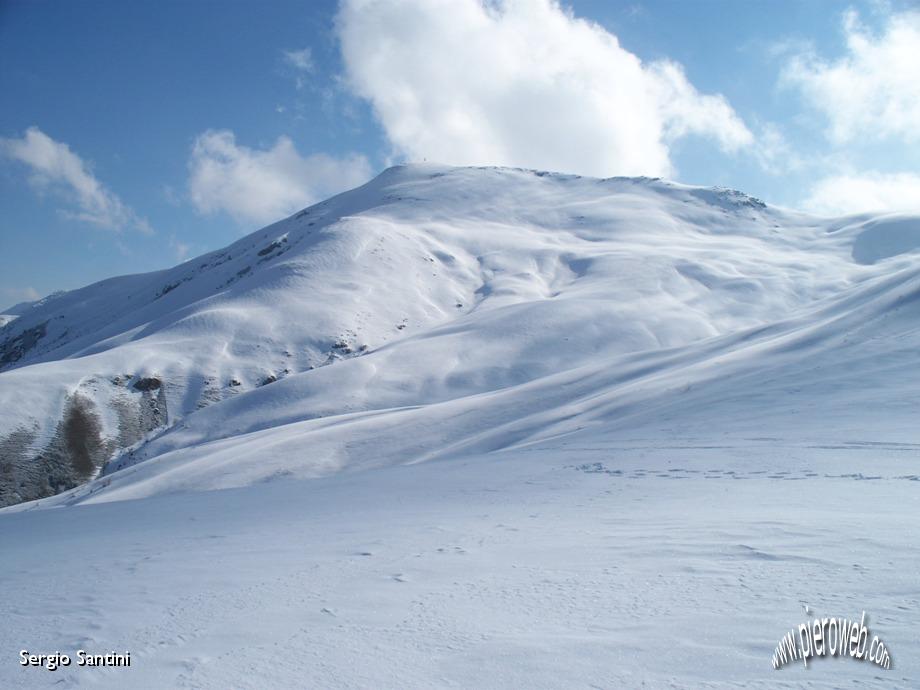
x,y
12,349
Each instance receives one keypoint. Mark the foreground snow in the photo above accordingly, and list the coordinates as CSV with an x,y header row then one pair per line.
x,y
664,565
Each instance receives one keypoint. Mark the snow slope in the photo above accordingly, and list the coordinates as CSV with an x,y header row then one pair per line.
x,y
464,309
474,427
671,565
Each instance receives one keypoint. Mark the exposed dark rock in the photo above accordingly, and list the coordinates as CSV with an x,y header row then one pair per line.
x,y
272,247
14,348
169,287
147,384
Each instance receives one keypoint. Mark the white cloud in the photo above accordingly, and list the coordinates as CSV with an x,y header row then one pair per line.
x,y
521,82
685,111
302,62
56,168
299,59
873,90
260,186
774,153
865,192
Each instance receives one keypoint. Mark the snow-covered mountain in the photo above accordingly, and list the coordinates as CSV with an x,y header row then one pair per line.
x,y
610,433
440,312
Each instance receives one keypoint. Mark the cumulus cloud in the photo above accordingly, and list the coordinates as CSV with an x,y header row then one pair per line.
x,y
858,193
260,186
54,167
524,83
872,90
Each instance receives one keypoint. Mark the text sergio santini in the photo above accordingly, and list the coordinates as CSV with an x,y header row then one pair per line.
x,y
53,661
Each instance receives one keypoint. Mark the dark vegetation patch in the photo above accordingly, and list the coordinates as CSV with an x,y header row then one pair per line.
x,y
14,481
77,451
82,436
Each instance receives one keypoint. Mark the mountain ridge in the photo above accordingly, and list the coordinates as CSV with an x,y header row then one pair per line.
x,y
435,285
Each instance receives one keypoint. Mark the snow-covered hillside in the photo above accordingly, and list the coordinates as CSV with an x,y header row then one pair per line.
x,y
441,311
549,431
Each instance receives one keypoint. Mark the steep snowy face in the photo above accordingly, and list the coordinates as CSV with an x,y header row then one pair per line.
x,y
457,300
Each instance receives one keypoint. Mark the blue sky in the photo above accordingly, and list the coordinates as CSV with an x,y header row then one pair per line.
x,y
134,135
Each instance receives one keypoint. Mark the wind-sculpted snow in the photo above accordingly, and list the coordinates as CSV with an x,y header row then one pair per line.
x,y
438,312
885,237
574,564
